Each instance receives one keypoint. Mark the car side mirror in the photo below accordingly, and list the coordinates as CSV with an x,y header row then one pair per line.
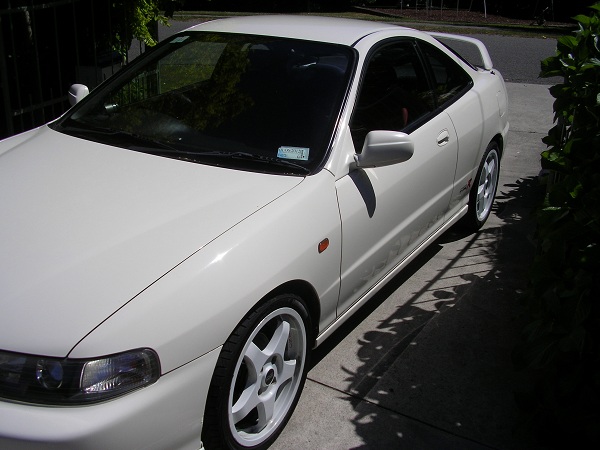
x,y
77,92
383,148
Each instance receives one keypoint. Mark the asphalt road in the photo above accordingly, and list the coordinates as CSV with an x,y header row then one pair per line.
x,y
518,58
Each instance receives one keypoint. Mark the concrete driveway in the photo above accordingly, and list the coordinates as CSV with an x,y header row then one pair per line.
x,y
427,364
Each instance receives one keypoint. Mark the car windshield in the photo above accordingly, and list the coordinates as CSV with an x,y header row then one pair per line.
x,y
250,102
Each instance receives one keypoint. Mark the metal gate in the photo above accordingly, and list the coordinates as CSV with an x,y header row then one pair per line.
x,y
45,46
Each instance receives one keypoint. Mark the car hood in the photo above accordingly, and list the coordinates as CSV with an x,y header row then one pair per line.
x,y
85,227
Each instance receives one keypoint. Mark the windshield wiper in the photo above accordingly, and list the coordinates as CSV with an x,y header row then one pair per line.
x,y
135,142
200,155
120,138
260,158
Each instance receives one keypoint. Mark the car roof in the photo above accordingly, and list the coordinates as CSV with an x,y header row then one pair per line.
x,y
315,28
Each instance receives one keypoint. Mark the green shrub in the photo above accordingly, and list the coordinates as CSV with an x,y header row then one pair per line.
x,y
562,342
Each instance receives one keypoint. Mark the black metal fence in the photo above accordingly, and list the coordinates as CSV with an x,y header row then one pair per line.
x,y
45,46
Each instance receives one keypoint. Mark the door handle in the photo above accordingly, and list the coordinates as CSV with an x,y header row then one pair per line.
x,y
443,138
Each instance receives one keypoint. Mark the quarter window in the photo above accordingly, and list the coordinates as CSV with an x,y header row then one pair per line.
x,y
450,80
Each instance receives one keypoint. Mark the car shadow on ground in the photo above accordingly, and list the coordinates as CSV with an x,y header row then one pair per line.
x,y
443,357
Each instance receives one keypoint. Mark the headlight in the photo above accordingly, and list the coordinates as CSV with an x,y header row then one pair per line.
x,y
53,381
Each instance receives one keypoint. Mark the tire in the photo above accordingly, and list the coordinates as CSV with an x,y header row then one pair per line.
x,y
483,191
259,376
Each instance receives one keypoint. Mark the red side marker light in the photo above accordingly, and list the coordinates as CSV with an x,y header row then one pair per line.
x,y
323,245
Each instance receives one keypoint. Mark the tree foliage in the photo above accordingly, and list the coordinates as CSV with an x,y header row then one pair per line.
x,y
562,342
135,19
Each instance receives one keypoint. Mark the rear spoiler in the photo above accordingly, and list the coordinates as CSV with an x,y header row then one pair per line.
x,y
483,56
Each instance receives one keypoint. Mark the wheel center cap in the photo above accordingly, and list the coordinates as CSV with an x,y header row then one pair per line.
x,y
269,377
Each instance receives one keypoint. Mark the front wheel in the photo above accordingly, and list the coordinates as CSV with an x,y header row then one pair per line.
x,y
259,376
483,191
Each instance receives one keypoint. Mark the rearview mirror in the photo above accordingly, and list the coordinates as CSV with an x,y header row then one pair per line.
x,y
77,92
383,148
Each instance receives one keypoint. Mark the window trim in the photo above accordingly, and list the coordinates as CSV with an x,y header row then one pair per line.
x,y
369,56
418,45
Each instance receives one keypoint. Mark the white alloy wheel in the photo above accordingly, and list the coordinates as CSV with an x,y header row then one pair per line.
x,y
264,368
486,186
267,376
483,192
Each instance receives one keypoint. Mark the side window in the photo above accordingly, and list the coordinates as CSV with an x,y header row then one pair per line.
x,y
394,92
450,80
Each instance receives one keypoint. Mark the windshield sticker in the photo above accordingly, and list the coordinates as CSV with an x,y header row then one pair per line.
x,y
179,39
297,153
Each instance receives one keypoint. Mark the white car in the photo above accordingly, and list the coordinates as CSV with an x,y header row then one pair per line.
x,y
174,246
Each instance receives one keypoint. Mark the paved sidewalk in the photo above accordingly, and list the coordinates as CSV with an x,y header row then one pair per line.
x,y
426,364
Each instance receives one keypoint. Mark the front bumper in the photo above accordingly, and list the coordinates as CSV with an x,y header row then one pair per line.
x,y
165,415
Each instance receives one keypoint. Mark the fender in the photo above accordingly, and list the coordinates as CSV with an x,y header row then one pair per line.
x,y
208,294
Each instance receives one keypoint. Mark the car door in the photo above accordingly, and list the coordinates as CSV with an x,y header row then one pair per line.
x,y
388,211
464,106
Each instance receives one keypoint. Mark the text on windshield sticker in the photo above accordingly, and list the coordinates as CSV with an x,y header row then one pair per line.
x,y
297,153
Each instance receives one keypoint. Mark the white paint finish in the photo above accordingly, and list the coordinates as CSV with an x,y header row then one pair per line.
x,y
86,227
387,211
312,28
194,308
